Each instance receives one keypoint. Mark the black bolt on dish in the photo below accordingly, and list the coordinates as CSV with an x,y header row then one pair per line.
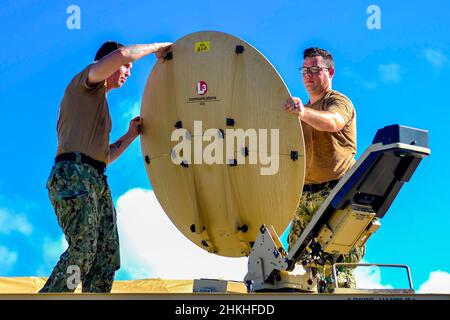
x,y
178,125
184,164
168,56
294,155
230,122
243,228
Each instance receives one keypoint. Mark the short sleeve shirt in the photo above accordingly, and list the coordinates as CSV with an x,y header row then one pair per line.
x,y
329,155
84,123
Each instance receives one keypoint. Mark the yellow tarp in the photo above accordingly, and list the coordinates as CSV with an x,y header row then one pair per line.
x,y
34,284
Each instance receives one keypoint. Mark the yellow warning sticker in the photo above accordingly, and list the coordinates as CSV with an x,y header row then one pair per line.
x,y
202,46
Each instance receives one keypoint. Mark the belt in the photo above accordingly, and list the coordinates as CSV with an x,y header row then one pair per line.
x,y
82,158
315,187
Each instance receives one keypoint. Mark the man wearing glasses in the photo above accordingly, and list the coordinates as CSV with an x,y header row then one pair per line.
x,y
329,129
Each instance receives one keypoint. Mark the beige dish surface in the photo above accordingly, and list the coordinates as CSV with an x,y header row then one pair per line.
x,y
209,203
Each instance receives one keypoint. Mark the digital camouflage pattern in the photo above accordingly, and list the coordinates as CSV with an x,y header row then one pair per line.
x,y
85,211
310,203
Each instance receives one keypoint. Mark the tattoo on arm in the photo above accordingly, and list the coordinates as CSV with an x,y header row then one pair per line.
x,y
116,145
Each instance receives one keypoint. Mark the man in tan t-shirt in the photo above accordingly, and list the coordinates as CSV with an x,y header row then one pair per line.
x,y
77,185
329,128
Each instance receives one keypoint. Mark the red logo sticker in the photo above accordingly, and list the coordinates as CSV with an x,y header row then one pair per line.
x,y
202,88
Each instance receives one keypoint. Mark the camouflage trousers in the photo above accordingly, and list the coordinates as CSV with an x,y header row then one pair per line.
x,y
310,203
85,211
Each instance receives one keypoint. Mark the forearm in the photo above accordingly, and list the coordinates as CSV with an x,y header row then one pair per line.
x,y
137,51
109,64
118,147
322,120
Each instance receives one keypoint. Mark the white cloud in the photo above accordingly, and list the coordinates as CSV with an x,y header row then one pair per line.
x,y
132,109
435,57
51,250
358,79
369,278
152,247
438,282
390,72
7,260
10,222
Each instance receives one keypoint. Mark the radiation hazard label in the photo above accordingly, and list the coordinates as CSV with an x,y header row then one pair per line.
x,y
202,46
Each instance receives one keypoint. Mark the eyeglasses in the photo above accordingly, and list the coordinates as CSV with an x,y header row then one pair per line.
x,y
313,70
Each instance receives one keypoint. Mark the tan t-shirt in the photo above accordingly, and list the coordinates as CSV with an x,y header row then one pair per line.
x,y
84,122
330,154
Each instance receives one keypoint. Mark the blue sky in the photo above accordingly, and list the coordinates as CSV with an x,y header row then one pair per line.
x,y
397,74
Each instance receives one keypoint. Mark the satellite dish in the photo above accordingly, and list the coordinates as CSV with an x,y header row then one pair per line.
x,y
211,89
